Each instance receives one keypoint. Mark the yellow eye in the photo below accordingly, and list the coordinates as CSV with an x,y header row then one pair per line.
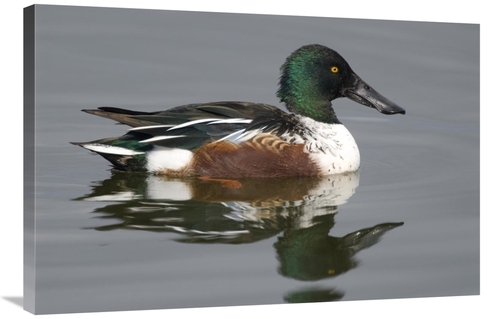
x,y
334,69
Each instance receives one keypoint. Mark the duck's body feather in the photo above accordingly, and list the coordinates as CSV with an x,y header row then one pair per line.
x,y
243,139
205,140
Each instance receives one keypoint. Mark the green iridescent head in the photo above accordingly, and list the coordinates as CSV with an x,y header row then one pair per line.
x,y
314,75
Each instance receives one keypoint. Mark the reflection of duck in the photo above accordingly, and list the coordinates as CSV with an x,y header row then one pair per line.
x,y
310,254
314,294
210,210
240,139
207,210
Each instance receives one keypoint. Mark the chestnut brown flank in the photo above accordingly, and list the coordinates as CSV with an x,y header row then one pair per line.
x,y
263,156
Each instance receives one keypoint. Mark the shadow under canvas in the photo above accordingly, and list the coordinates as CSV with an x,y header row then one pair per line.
x,y
16,300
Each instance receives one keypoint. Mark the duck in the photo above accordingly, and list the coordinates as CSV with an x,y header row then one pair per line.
x,y
235,139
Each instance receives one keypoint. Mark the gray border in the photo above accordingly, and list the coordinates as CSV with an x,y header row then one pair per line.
x,y
29,159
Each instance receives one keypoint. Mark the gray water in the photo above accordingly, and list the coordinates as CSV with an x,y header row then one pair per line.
x,y
405,225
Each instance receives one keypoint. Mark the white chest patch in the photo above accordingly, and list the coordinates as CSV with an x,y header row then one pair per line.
x,y
331,147
161,158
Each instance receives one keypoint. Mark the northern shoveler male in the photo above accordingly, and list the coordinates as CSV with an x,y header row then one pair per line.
x,y
244,139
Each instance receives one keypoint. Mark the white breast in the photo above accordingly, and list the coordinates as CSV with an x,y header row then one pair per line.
x,y
331,147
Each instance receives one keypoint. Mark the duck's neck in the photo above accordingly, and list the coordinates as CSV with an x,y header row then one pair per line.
x,y
320,111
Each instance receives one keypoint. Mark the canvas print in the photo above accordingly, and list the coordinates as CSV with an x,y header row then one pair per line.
x,y
227,159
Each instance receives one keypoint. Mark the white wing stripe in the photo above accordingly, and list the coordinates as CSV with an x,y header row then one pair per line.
x,y
211,122
160,138
109,149
230,121
148,127
233,136
245,136
191,123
